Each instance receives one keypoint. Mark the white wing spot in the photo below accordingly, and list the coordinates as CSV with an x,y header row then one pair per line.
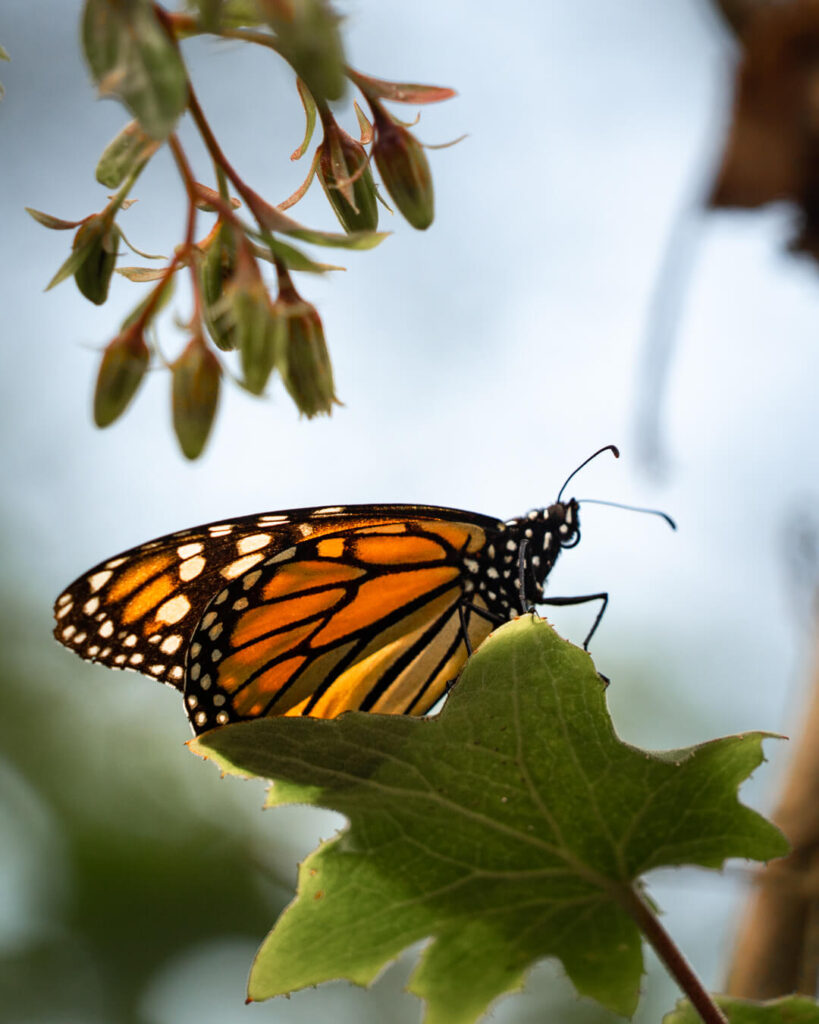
x,y
99,579
157,670
80,637
189,550
106,629
93,651
192,700
68,632
172,611
207,620
471,564
130,640
272,519
118,660
195,671
201,718
240,566
170,645
115,563
251,579
305,529
240,604
195,650
205,683
216,655
191,568
136,659
216,632
63,599
492,572
221,531
329,511
106,652
176,672
222,718
154,638
219,700
66,608
252,543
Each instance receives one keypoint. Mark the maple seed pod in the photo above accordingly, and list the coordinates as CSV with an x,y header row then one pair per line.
x,y
404,169
303,359
121,371
99,237
344,172
216,269
195,394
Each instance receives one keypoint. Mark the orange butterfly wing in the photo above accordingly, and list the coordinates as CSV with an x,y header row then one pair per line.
x,y
140,609
364,617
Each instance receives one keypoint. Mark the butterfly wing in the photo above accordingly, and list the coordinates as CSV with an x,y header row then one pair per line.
x,y
139,610
365,616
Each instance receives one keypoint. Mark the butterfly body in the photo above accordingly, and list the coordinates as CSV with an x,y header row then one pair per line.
x,y
314,611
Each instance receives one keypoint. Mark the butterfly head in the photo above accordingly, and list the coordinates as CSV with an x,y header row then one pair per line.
x,y
534,542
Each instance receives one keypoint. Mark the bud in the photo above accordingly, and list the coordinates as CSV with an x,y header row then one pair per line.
x,y
303,359
258,331
99,238
344,172
216,269
195,392
121,371
404,169
309,40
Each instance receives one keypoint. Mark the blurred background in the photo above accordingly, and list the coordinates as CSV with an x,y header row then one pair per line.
x,y
478,363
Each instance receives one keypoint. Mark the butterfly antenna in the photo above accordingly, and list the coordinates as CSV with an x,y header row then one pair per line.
x,y
629,508
608,448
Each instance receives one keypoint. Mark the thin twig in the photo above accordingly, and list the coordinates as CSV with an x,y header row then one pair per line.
x,y
670,954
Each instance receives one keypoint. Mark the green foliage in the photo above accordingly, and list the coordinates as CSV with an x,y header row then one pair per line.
x,y
133,50
509,828
790,1010
133,56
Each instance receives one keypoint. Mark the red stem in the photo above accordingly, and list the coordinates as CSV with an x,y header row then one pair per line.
x,y
666,949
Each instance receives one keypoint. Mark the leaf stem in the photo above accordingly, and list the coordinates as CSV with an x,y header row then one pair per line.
x,y
189,245
635,904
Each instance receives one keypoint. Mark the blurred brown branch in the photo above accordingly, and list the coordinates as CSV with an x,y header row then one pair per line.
x,y
777,949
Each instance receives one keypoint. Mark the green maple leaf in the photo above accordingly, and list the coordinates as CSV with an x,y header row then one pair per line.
x,y
789,1010
511,827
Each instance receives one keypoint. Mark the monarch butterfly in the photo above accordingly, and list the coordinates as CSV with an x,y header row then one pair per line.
x,y
316,611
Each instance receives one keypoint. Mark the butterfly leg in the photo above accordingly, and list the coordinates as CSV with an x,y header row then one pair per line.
x,y
562,601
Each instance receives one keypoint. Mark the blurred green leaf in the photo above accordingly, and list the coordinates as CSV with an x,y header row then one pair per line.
x,y
292,258
125,154
132,57
509,828
309,105
308,37
54,223
790,1010
400,92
